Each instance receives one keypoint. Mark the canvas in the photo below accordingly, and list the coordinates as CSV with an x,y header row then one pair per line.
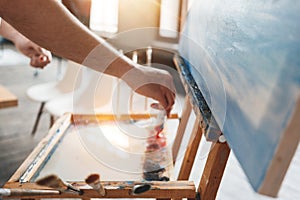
x,y
244,57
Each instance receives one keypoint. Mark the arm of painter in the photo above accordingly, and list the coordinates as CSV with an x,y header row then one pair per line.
x,y
39,57
49,24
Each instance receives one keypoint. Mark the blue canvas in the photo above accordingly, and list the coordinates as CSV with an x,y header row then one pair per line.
x,y
245,58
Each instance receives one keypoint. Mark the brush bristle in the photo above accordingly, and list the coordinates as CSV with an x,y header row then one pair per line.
x,y
92,178
51,181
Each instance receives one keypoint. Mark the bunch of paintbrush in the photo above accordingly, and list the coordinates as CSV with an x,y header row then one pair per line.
x,y
93,180
55,182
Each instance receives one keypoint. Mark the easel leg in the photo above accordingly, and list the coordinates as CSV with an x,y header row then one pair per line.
x,y
181,128
191,152
213,171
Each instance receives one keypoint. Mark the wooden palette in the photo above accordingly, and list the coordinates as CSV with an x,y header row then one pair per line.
x,y
73,149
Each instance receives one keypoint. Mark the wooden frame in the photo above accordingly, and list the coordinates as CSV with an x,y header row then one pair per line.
x,y
215,164
181,128
183,13
214,167
21,180
219,153
172,189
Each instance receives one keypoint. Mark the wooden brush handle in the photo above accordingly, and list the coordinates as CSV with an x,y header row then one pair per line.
x,y
26,192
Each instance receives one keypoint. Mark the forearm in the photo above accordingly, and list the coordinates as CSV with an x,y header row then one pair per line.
x,y
50,25
8,32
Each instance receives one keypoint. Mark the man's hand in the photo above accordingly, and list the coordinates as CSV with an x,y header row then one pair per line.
x,y
153,83
39,57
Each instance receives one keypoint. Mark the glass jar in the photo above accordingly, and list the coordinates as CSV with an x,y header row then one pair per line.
x,y
156,155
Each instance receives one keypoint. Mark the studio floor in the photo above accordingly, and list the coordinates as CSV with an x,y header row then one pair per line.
x,y
16,141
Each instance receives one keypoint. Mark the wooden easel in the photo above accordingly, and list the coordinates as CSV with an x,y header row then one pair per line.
x,y
219,153
217,157
181,188
216,161
178,189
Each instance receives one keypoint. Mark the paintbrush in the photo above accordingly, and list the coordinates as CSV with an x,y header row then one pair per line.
x,y
141,188
55,182
26,192
93,180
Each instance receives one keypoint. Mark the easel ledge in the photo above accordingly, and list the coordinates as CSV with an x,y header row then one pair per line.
x,y
117,189
79,118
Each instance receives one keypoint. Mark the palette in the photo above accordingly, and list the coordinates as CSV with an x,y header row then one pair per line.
x,y
114,147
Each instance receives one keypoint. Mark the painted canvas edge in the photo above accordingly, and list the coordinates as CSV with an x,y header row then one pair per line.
x,y
283,156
